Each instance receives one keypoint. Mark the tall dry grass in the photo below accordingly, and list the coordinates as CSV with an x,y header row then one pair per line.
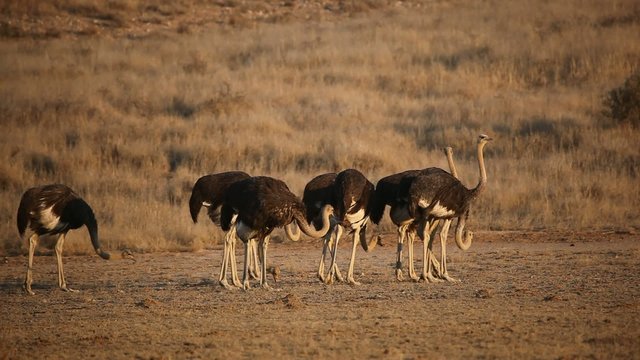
x,y
131,123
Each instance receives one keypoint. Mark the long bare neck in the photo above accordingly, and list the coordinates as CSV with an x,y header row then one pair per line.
x,y
292,231
310,230
483,172
452,167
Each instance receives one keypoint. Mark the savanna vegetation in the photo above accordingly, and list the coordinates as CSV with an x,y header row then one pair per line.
x,y
129,102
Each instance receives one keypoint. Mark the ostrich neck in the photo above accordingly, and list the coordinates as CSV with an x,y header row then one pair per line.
x,y
483,173
452,166
310,230
292,231
463,238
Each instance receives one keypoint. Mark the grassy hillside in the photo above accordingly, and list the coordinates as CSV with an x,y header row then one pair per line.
x,y
131,113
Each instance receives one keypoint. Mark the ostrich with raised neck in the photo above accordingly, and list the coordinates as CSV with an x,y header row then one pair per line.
x,y
440,196
393,190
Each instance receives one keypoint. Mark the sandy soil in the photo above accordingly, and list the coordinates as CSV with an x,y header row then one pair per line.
x,y
522,295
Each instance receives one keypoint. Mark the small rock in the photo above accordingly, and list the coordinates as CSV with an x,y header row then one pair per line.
x,y
147,303
292,301
484,293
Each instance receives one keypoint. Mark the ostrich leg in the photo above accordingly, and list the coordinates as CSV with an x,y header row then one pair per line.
x,y
326,241
443,259
62,283
232,259
411,237
337,273
356,241
427,265
228,258
245,274
402,232
264,245
334,272
254,267
33,242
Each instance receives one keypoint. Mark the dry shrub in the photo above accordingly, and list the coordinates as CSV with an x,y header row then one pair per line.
x,y
130,122
623,103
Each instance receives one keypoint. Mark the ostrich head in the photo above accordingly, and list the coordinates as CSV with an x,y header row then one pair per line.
x,y
483,139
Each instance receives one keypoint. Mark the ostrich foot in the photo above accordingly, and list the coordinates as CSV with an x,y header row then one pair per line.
x,y
227,286
236,283
448,278
28,290
245,285
68,289
267,287
413,275
352,281
254,275
428,277
334,273
321,277
399,275
338,275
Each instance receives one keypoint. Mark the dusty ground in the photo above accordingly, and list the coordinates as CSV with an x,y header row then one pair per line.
x,y
522,295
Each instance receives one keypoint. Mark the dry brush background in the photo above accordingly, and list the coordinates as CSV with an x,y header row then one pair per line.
x,y
129,102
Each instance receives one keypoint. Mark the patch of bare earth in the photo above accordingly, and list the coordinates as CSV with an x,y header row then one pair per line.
x,y
522,295
135,19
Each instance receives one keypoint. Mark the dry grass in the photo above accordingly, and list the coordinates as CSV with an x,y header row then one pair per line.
x,y
131,122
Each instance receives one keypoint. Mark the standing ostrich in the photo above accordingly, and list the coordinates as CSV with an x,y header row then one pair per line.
x,y
392,190
54,210
209,191
440,196
317,193
262,204
352,198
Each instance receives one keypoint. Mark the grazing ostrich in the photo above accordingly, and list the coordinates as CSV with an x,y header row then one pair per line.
x,y
54,210
261,204
352,199
392,190
317,193
440,196
209,191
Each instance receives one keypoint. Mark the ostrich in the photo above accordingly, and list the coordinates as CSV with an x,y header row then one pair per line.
x,y
463,245
261,204
440,196
352,196
317,193
392,190
54,210
209,191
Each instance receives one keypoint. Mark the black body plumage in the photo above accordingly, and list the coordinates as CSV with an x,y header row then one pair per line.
x,y
70,210
393,190
441,189
317,193
55,209
352,186
386,193
211,189
262,203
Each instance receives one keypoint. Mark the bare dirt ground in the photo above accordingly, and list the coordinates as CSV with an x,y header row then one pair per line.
x,y
522,295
